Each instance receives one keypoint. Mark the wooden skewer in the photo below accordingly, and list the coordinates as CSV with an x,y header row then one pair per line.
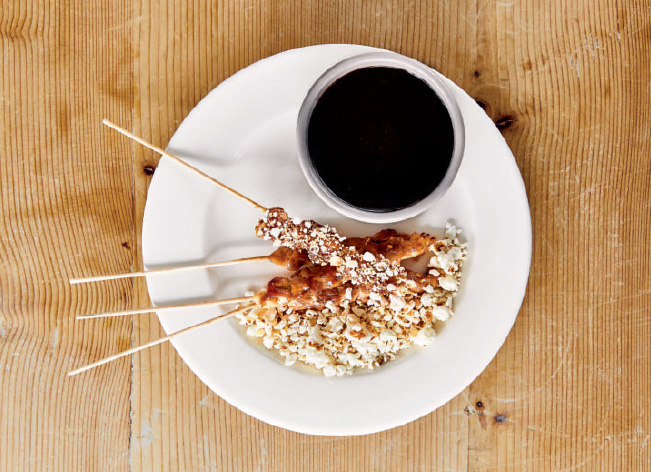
x,y
158,341
162,152
159,309
127,275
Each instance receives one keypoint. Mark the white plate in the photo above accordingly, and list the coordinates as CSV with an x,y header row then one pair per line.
x,y
243,133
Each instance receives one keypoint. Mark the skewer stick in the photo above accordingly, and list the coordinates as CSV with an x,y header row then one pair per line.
x,y
159,309
162,152
127,275
133,350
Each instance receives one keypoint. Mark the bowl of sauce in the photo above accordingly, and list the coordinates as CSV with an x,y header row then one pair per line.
x,y
380,137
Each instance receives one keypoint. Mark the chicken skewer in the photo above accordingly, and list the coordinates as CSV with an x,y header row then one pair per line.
x,y
396,245
162,152
315,286
322,242
163,309
389,241
166,270
155,342
311,286
284,257
326,247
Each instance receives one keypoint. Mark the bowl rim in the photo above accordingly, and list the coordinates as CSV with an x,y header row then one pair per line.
x,y
367,60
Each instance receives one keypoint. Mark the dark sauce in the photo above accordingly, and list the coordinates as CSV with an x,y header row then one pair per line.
x,y
380,139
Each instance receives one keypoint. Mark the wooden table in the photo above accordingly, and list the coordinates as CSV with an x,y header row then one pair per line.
x,y
567,82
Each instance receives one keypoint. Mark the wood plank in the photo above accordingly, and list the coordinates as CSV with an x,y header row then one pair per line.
x,y
564,393
510,58
65,186
568,84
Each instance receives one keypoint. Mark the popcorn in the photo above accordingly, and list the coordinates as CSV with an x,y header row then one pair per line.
x,y
425,336
397,303
441,313
388,335
450,284
340,340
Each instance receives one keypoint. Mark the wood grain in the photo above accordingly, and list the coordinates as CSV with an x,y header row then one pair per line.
x,y
66,195
567,83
